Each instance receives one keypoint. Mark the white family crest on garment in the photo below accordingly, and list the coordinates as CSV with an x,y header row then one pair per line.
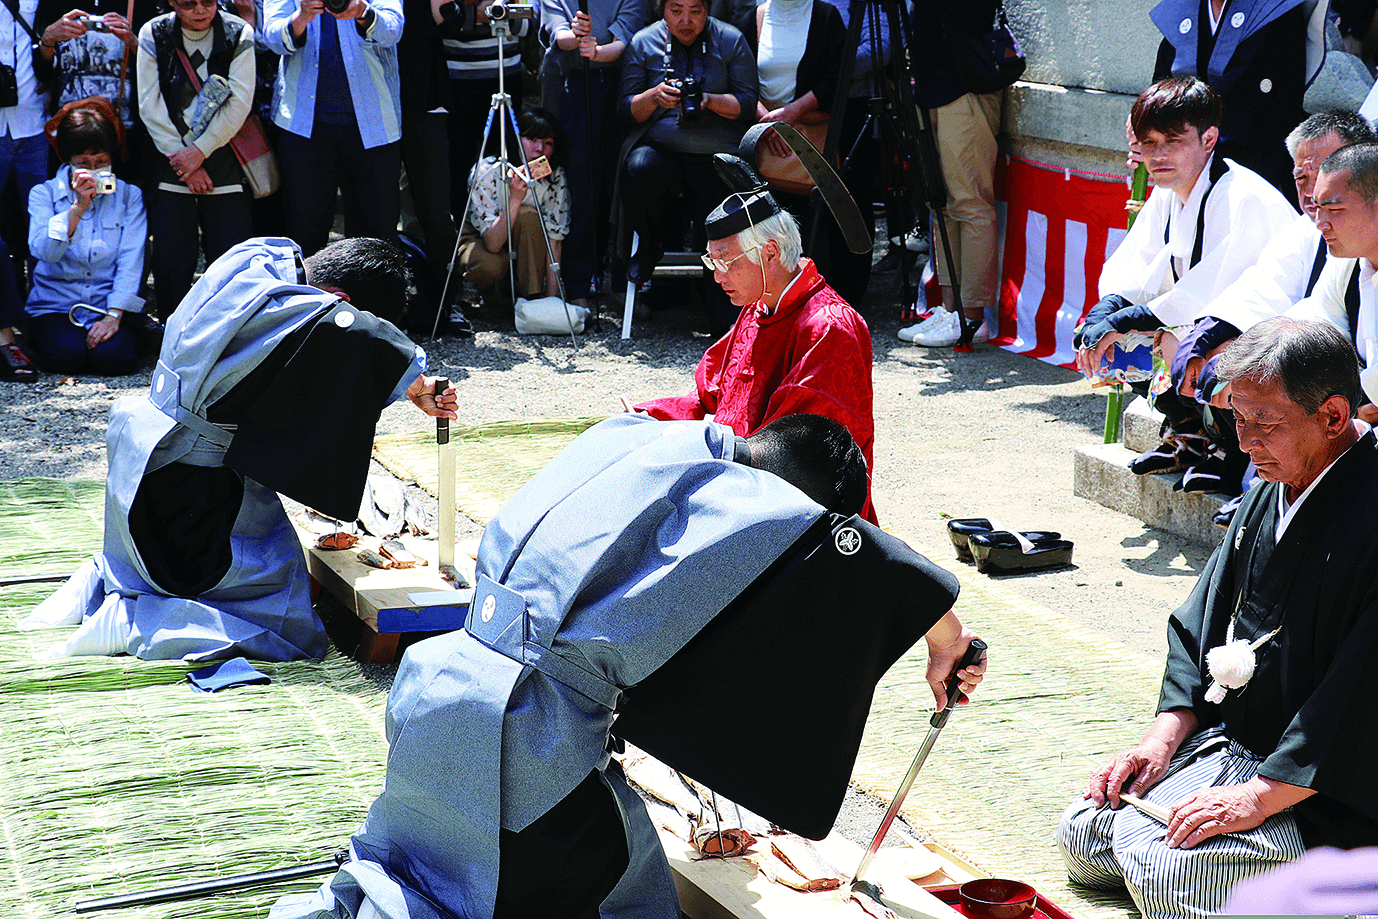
x,y
1232,664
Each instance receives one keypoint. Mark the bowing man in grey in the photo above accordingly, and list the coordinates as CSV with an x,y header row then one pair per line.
x,y
648,567
1266,731
270,380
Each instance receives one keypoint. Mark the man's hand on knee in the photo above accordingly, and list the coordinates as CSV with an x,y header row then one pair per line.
x,y
1229,809
1137,770
1134,771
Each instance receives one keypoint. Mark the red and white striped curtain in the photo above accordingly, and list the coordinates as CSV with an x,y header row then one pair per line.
x,y
1059,227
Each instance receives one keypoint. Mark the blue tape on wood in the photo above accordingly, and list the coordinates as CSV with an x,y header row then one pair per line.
x,y
432,611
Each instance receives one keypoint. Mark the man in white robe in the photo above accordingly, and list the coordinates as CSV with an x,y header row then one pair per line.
x,y
1204,224
1288,268
1347,201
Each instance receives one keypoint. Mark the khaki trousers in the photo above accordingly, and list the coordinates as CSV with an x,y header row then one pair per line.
x,y
965,133
488,269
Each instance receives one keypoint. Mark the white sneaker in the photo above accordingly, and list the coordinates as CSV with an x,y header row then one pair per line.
x,y
942,332
908,332
949,333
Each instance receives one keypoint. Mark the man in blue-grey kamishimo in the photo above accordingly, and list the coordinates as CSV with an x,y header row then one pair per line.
x,y
272,375
646,571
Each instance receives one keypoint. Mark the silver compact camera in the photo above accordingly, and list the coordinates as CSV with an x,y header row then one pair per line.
x,y
105,181
94,23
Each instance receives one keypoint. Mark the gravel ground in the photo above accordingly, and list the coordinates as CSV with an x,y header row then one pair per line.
x,y
982,434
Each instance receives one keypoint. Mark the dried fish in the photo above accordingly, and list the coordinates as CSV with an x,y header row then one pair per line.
x,y
337,540
659,781
383,508
320,524
871,907
400,555
802,859
777,871
419,519
714,843
373,559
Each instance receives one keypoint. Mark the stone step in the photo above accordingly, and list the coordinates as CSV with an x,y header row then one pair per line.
x,y
1140,426
1100,473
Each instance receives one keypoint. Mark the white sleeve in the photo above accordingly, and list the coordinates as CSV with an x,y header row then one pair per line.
x,y
1271,286
1241,218
1139,258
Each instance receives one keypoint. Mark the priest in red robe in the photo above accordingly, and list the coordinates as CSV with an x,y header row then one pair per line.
x,y
796,347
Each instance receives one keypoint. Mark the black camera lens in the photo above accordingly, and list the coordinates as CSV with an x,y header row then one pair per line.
x,y
336,6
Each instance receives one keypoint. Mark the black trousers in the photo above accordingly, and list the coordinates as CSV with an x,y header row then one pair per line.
x,y
332,158
593,136
567,861
176,223
655,177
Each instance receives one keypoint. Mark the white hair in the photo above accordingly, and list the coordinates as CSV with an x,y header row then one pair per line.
x,y
783,229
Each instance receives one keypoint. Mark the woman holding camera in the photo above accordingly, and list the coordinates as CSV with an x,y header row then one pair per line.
x,y
87,229
689,85
196,75
503,205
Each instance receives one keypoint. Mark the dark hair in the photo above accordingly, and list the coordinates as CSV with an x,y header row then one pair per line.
x,y
372,271
816,455
1349,127
1174,104
86,129
540,123
1361,162
660,7
1309,361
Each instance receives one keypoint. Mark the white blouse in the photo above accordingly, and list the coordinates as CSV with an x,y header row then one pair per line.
x,y
784,33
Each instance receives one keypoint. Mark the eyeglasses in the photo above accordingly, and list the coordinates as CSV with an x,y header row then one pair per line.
x,y
717,264
192,4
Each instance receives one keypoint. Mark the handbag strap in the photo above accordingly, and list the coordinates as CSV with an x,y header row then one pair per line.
x,y
191,71
124,61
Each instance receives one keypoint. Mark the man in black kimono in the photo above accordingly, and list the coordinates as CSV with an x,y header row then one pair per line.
x,y
1263,742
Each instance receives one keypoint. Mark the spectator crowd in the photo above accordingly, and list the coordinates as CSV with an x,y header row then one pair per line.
x,y
389,104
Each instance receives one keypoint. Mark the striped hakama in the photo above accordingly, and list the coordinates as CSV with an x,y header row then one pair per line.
x,y
1109,849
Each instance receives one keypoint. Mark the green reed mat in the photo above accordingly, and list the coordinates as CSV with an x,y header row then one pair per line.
x,y
492,460
116,776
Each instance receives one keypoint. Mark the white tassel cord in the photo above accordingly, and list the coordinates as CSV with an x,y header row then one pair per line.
x,y
1231,665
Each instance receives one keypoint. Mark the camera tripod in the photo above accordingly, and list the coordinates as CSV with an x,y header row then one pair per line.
x,y
500,23
904,131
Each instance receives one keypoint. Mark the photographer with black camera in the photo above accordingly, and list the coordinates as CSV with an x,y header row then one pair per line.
x,y
689,84
479,38
338,101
